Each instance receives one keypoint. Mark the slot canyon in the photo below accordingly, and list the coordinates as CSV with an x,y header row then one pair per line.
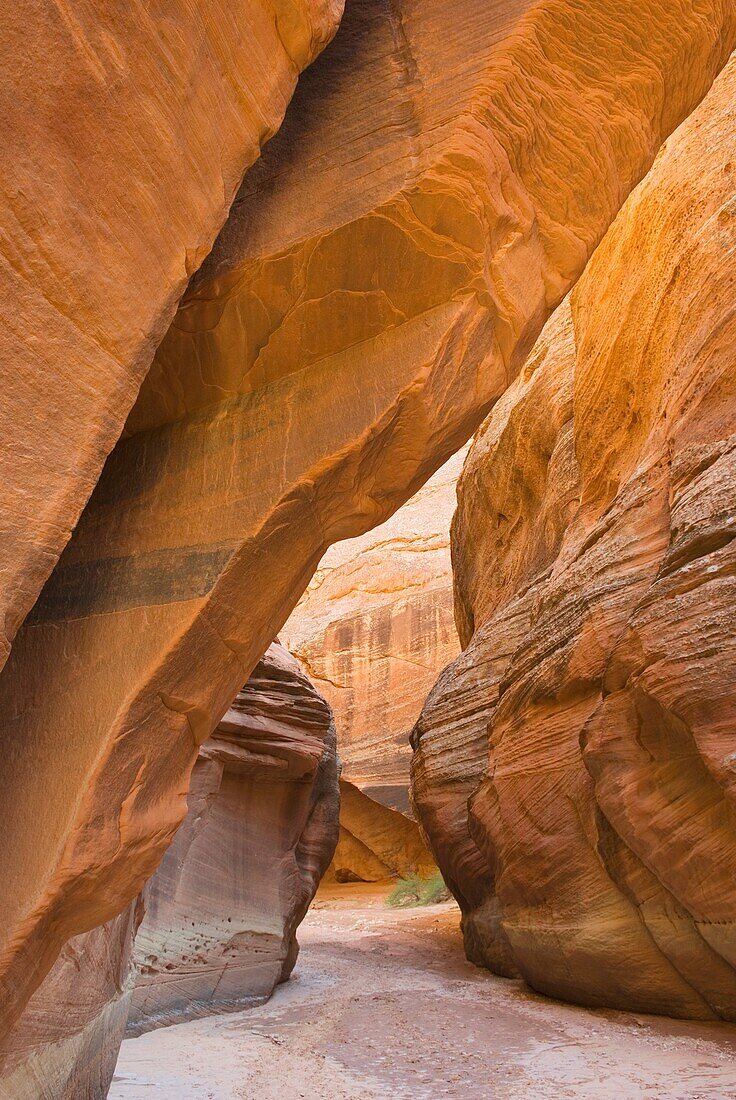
x,y
367,570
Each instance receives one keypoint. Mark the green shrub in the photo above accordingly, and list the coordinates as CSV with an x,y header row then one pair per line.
x,y
434,891
413,890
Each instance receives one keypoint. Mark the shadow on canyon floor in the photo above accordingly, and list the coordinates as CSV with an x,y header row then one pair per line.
x,y
384,1004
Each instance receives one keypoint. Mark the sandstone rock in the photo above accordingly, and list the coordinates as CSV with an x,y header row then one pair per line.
x,y
375,627
66,1043
515,498
594,565
126,132
439,186
376,842
223,908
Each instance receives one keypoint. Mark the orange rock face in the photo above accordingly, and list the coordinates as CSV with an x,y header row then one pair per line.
x,y
594,567
438,187
222,910
376,842
126,133
514,501
375,627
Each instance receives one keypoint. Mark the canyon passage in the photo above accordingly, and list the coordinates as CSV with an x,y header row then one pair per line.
x,y
384,1004
367,536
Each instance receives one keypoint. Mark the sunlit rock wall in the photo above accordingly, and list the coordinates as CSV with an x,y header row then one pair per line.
x,y
574,766
126,133
439,185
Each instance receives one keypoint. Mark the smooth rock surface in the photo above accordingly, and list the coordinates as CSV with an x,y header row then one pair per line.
x,y
66,1044
126,132
594,568
376,842
439,186
223,908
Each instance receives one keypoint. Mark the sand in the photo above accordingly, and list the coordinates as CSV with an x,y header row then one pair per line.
x,y
384,1004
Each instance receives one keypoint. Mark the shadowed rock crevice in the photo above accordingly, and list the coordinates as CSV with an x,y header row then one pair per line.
x,y
376,843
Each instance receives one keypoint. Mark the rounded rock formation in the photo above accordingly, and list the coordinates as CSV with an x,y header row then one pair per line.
x,y
222,910
574,766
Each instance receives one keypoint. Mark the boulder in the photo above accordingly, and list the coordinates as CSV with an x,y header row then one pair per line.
x,y
376,842
222,910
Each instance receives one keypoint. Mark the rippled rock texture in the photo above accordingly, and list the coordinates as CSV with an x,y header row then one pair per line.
x,y
594,568
375,627
223,908
437,188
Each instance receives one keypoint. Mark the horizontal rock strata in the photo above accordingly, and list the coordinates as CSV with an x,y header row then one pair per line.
x,y
126,132
375,627
223,908
440,184
594,568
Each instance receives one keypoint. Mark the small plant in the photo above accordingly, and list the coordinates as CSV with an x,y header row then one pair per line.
x,y
406,892
434,891
413,890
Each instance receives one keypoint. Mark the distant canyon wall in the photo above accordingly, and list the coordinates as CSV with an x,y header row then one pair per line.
x,y
376,843
374,628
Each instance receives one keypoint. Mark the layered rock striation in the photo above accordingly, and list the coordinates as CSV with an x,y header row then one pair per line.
x,y
516,495
439,186
66,1044
126,133
222,910
375,627
574,767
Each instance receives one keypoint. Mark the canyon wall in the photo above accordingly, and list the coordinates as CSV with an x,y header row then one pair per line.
x,y
66,1044
375,627
438,186
222,910
519,488
216,926
574,767
126,133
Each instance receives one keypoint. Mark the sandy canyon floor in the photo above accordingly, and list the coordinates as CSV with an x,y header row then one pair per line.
x,y
384,1004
